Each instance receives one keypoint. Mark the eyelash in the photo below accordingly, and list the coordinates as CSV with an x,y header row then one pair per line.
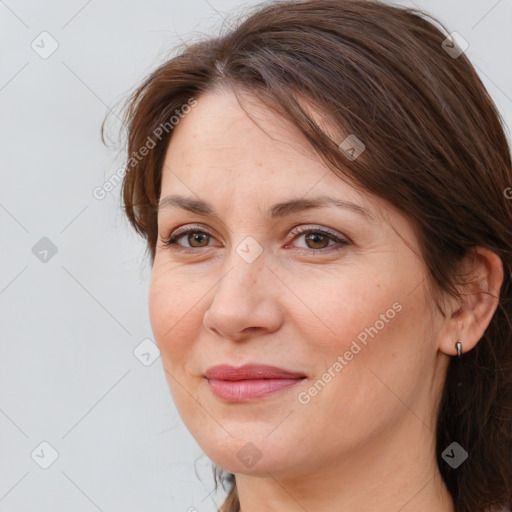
x,y
171,241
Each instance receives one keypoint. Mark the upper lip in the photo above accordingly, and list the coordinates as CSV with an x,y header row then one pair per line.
x,y
250,371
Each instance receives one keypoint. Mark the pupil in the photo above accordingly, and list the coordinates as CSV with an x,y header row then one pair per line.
x,y
313,236
197,237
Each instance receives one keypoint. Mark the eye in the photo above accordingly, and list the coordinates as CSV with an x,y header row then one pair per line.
x,y
317,240
196,237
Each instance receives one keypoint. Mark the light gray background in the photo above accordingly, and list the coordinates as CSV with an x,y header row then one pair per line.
x,y
70,325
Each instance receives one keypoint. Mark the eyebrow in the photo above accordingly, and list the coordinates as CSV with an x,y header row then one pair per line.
x,y
277,210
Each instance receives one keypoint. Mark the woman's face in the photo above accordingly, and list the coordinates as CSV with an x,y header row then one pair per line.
x,y
351,316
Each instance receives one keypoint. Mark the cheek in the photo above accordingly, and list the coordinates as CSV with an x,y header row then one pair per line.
x,y
368,301
175,320
365,340
175,316
334,310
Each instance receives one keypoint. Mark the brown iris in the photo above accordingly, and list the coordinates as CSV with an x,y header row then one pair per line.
x,y
313,237
198,237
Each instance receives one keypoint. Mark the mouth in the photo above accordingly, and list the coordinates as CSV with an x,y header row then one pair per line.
x,y
250,382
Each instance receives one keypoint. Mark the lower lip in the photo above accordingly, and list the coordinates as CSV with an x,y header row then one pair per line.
x,y
248,390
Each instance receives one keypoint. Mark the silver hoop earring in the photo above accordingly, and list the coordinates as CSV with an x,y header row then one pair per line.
x,y
459,349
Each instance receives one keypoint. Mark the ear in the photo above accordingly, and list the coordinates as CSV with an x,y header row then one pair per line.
x,y
469,317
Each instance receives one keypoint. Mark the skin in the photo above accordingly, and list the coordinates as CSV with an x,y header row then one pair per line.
x,y
366,441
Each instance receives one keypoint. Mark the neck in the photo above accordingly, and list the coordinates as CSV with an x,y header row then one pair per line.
x,y
396,472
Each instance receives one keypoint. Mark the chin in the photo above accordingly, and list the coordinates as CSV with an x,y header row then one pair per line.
x,y
242,455
248,461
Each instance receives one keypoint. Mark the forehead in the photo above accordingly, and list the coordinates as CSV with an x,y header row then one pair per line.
x,y
220,132
223,148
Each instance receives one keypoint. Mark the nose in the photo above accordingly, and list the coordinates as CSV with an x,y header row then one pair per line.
x,y
245,303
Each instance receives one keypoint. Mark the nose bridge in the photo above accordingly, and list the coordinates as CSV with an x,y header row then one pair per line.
x,y
246,268
241,301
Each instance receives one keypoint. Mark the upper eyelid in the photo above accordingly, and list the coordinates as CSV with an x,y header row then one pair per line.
x,y
295,231
186,228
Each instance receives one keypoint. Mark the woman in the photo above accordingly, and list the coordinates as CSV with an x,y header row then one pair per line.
x,y
323,194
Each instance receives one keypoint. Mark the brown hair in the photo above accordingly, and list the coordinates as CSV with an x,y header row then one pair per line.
x,y
435,148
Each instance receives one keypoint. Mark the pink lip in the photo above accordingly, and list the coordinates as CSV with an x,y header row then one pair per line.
x,y
250,371
249,382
